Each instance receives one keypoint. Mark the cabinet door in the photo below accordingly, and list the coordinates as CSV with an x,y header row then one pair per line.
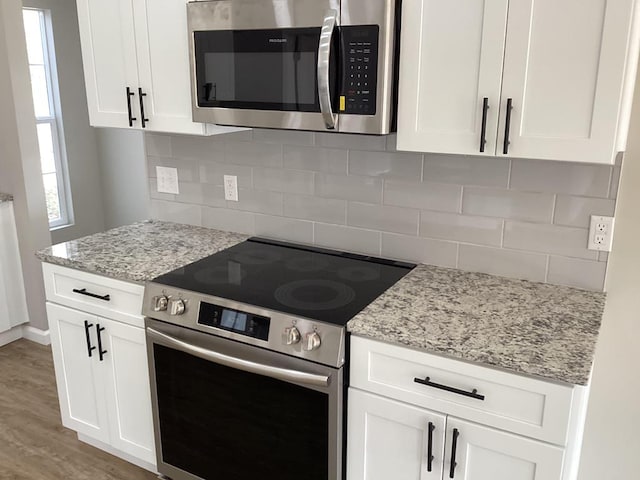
x,y
163,61
80,389
127,385
484,453
109,58
388,439
565,71
452,53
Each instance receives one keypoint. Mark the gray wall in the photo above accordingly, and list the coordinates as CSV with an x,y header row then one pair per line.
x,y
79,136
124,176
518,218
19,156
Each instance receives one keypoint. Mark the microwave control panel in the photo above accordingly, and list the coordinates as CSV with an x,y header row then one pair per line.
x,y
359,82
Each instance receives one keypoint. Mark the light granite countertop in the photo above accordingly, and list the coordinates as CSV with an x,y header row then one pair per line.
x,y
524,327
5,197
141,251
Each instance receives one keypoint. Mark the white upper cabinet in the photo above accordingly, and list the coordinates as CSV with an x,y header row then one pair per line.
x,y
141,46
566,68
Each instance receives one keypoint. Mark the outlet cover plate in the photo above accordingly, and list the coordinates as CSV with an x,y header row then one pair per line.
x,y
601,233
231,188
168,180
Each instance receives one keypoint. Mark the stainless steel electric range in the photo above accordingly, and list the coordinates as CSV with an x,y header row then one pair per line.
x,y
247,351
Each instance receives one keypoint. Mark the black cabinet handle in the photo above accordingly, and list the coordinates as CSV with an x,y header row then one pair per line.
x,y
142,117
131,117
87,326
83,291
454,450
101,352
432,427
507,127
483,131
427,381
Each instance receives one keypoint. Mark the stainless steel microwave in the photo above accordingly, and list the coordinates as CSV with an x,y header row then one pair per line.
x,y
322,65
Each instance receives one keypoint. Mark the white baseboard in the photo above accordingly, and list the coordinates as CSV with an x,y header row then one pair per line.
x,y
36,335
10,335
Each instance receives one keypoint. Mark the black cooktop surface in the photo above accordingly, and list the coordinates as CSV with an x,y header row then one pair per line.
x,y
315,283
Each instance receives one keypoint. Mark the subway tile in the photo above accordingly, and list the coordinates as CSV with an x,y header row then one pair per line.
x,y
255,154
480,171
326,210
213,195
405,166
284,180
228,220
190,193
552,239
577,211
383,218
493,202
258,201
560,177
188,170
214,172
245,135
351,187
205,148
351,141
155,195
287,137
329,160
348,238
419,250
392,142
615,182
158,145
426,196
603,256
176,212
284,228
461,228
577,273
505,263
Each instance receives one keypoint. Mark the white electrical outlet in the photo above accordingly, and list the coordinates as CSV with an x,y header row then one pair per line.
x,y
231,188
167,180
601,233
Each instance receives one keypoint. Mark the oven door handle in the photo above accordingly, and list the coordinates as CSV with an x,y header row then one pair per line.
x,y
278,373
324,56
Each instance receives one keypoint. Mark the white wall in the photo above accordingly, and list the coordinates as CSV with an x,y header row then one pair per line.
x,y
79,136
612,437
19,156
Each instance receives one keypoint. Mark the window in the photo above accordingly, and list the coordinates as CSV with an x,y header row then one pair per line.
x,y
37,26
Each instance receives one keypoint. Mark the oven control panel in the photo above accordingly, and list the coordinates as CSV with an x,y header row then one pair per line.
x,y
244,323
360,68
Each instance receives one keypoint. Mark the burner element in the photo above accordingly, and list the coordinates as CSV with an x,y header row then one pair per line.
x,y
359,274
315,295
232,274
257,257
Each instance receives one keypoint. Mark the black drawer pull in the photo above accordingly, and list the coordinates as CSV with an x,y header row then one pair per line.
x,y
87,326
483,132
145,120
432,427
83,291
454,451
131,117
427,381
101,352
507,127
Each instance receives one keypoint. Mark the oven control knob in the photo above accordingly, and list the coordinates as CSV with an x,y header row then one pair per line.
x,y
176,307
291,336
311,342
160,303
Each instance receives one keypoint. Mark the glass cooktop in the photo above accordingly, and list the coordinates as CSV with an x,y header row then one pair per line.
x,y
310,282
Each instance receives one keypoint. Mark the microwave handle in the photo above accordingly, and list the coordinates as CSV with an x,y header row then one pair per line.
x,y
324,54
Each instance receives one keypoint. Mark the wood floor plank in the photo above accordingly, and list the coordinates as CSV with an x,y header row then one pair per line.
x,y
33,443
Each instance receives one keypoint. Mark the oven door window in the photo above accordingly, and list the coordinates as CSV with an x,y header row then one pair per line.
x,y
259,69
219,422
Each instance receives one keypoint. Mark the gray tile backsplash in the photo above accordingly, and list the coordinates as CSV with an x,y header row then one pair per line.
x,y
517,218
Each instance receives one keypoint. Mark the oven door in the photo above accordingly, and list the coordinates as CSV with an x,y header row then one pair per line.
x,y
265,64
224,409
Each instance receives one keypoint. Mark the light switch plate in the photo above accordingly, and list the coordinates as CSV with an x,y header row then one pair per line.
x,y
167,180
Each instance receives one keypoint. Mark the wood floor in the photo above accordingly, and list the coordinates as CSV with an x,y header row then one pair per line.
x,y
33,443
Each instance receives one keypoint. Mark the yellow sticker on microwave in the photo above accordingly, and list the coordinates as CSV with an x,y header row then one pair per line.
x,y
343,103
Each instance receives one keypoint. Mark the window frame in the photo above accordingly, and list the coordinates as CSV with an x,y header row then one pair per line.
x,y
54,120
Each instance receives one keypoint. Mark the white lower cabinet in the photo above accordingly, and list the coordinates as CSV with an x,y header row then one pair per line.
x,y
101,363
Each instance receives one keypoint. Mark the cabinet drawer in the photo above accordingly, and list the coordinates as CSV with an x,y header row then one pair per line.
x,y
523,405
95,294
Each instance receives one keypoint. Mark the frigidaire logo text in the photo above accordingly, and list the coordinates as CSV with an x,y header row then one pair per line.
x,y
277,40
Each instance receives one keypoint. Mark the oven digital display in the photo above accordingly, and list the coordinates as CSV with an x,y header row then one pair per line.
x,y
235,321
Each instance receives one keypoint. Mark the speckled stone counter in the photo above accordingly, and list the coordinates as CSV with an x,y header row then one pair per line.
x,y
5,197
525,327
141,251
